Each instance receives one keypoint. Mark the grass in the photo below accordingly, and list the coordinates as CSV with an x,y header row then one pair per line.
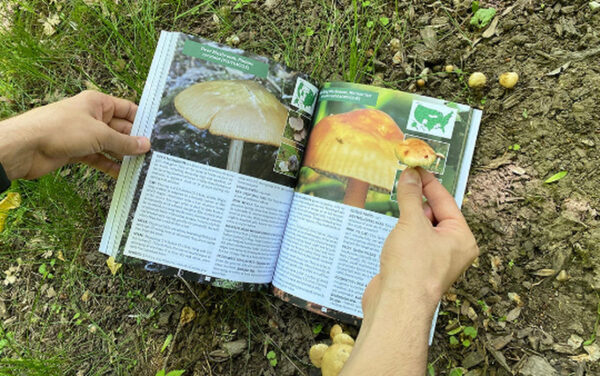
x,y
66,313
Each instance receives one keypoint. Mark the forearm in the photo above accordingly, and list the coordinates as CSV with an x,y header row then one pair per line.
x,y
394,337
17,144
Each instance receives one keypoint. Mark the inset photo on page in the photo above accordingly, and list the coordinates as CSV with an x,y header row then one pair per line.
x,y
288,160
363,135
228,109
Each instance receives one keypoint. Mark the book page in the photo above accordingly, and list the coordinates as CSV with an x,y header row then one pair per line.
x,y
212,197
345,203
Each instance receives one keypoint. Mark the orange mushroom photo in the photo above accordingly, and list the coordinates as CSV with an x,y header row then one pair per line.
x,y
357,148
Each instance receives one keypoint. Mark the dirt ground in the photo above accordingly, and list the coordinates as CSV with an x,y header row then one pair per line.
x,y
533,292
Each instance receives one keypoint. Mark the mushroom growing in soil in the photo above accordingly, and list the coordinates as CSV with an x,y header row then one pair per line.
x,y
241,110
414,152
357,147
331,359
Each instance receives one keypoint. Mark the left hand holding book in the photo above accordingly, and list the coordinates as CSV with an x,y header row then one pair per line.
x,y
78,129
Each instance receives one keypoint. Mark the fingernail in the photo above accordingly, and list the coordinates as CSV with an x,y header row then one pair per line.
x,y
410,176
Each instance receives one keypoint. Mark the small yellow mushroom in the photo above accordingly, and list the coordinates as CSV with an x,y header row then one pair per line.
x,y
415,152
334,359
316,354
420,82
508,80
449,68
335,330
343,338
477,80
331,359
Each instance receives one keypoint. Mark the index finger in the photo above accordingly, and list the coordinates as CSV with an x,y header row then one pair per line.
x,y
440,200
121,108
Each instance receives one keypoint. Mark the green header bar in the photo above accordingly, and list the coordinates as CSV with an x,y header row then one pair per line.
x,y
364,97
226,58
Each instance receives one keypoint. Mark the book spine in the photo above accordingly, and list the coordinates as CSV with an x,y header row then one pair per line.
x,y
142,126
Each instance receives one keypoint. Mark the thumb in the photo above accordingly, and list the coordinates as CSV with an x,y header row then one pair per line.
x,y
410,194
119,143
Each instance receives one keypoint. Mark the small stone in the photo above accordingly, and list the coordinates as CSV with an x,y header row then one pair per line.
x,y
574,341
513,314
473,359
562,348
449,68
562,276
420,82
537,366
235,348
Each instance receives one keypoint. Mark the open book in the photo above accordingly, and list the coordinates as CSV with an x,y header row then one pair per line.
x,y
259,179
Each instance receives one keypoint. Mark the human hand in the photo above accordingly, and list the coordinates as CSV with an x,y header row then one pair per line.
x,y
428,249
431,244
77,129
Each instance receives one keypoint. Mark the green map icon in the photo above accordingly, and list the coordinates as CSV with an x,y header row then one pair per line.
x,y
305,95
432,119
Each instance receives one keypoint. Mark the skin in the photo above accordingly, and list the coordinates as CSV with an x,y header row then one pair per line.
x,y
427,250
430,247
83,128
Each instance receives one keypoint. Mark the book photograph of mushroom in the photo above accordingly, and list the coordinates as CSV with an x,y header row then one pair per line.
x,y
296,128
355,150
288,160
226,118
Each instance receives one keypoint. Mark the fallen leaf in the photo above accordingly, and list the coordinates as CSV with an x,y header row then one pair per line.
x,y
10,279
187,315
60,256
559,70
491,30
544,272
51,293
594,351
86,296
556,177
11,201
50,23
113,265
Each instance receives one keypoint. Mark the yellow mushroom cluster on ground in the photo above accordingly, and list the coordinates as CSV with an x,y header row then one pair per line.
x,y
331,359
